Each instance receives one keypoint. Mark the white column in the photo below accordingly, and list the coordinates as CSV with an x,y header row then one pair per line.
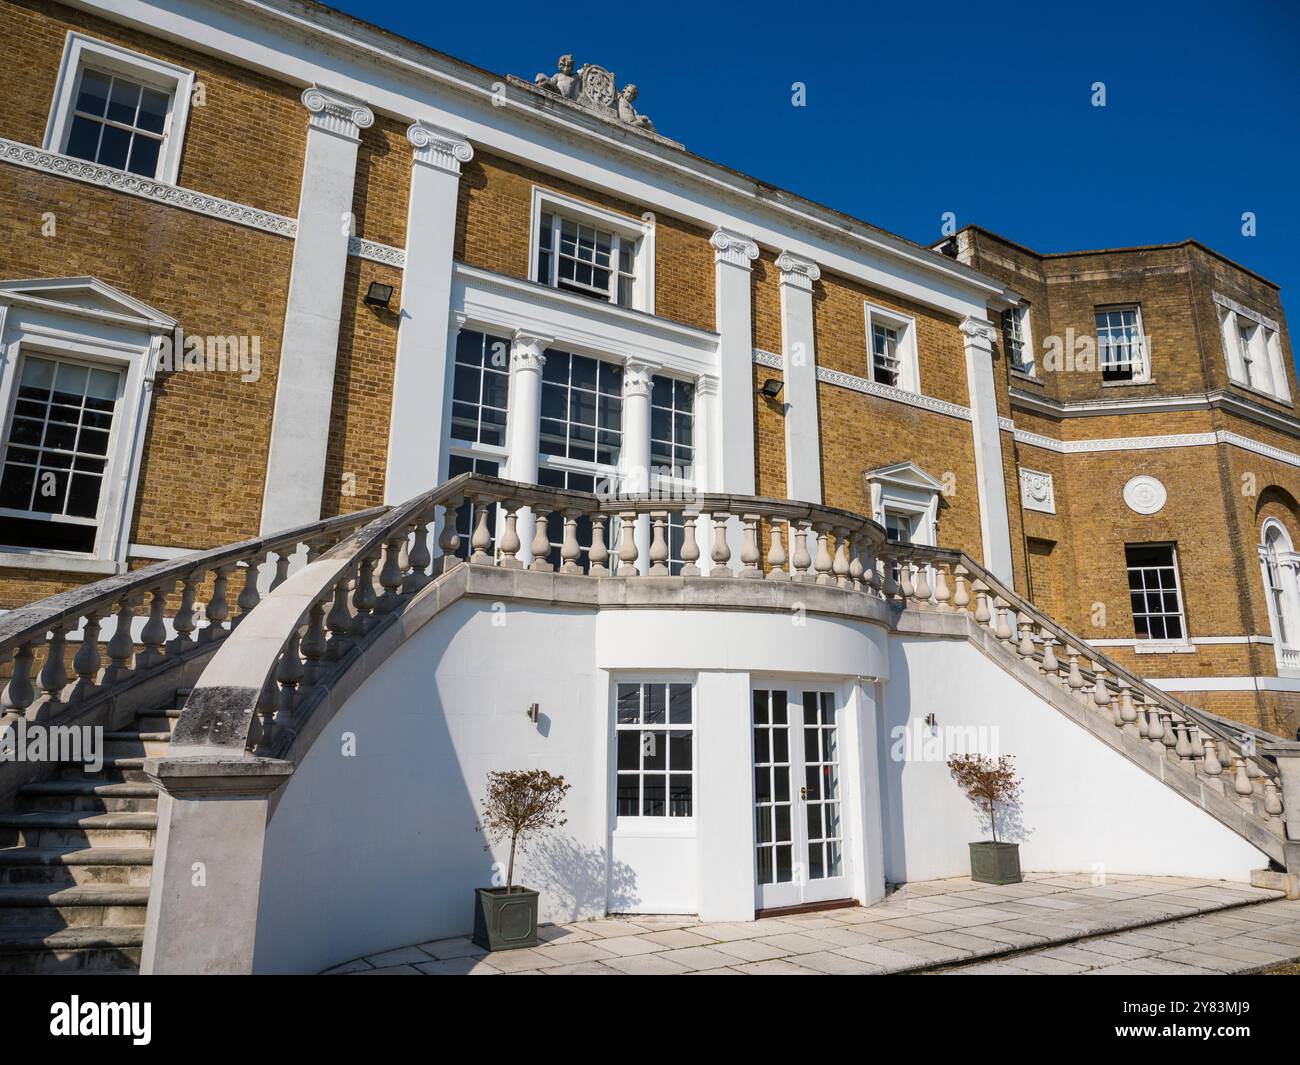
x,y
725,798
803,465
731,467
977,337
634,459
295,469
524,422
417,459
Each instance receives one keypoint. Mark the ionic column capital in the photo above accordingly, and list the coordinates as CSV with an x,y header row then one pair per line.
x,y
638,378
797,271
439,148
977,332
733,248
337,113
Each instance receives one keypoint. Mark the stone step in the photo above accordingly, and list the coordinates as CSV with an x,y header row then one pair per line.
x,y
136,744
101,949
73,828
51,906
115,768
90,796
82,865
181,695
158,721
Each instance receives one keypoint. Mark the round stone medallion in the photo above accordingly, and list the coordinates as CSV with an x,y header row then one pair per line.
x,y
1145,495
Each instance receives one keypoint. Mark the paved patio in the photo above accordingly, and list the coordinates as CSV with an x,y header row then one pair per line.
x,y
1186,926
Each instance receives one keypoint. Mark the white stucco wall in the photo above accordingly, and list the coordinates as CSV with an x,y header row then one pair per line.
x,y
380,849
1084,808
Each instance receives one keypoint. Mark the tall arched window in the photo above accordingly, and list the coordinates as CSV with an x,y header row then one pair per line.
x,y
1278,564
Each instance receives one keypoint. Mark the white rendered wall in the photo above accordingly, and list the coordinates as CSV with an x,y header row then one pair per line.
x,y
1085,808
379,850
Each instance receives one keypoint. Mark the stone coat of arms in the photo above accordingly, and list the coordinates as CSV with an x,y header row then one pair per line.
x,y
594,88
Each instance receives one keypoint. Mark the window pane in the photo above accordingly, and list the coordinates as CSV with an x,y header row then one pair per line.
x,y
114,144
153,111
93,97
123,100
83,139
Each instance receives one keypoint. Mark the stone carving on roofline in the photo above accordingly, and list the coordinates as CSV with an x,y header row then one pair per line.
x,y
594,89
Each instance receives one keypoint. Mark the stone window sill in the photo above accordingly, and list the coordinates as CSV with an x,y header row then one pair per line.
x,y
59,563
1163,647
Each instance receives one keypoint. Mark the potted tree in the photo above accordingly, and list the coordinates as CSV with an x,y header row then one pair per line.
x,y
990,783
518,803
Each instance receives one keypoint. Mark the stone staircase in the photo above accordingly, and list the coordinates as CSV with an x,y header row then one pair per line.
x,y
76,855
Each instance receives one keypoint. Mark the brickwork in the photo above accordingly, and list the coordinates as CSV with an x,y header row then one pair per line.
x,y
383,183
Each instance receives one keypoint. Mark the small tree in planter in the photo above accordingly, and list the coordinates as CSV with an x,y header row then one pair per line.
x,y
518,803
990,783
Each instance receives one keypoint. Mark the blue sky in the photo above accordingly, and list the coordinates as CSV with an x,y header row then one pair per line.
x,y
921,108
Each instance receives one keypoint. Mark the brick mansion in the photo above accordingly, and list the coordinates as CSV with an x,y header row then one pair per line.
x,y
414,270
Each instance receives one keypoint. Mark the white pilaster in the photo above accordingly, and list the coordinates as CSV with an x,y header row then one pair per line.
x,y
977,337
634,458
803,467
725,816
422,376
295,469
731,468
524,425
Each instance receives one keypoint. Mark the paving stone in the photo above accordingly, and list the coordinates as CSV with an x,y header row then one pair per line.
x,y
607,929
1113,949
646,965
390,970
630,946
1036,963
677,937
564,933
750,950
887,958
1203,960
461,947
515,960
779,967
571,953
700,958
400,956
355,966
458,967
837,964
583,968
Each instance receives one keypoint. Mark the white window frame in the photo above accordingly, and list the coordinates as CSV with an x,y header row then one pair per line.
x,y
1155,645
907,490
642,824
1288,566
909,371
640,231
1142,369
81,52
1265,349
34,321
1028,364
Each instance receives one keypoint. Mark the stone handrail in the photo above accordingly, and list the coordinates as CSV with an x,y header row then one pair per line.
x,y
38,639
1200,743
259,690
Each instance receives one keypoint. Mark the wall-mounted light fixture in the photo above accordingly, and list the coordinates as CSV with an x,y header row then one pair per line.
x,y
533,713
771,388
378,295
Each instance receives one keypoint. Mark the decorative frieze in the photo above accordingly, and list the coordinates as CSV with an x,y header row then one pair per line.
x,y
733,248
336,113
1037,491
439,147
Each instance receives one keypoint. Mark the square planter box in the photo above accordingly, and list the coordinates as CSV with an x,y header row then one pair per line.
x,y
995,863
505,922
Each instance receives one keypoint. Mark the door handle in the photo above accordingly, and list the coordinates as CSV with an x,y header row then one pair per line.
x,y
803,794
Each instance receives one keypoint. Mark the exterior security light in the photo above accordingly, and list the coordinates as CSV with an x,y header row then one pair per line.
x,y
771,388
378,295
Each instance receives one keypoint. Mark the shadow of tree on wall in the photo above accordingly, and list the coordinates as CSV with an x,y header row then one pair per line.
x,y
1011,824
578,881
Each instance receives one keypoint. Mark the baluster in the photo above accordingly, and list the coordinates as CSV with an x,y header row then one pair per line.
x,y
1241,785
363,597
942,593
750,556
1169,737
249,596
54,674
541,545
721,553
153,636
1183,743
921,584
690,543
627,547
313,644
448,537
218,609
961,594
1142,727
889,587
840,560
339,622
267,704
802,560
905,587
570,551
121,645
776,556
508,548
1128,715
1050,665
1155,725
1101,693
1024,623
1003,610
315,548
481,539
1212,767
419,557
390,573
857,568
282,557
19,692
289,672
1195,742
598,556
822,563
86,662
184,623
1273,801
659,544
1074,678
982,614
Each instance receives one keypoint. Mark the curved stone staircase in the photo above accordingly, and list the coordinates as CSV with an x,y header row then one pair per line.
x,y
76,856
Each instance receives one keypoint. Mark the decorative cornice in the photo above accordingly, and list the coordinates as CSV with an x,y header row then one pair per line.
x,y
797,271
172,195
770,359
638,378
333,112
733,248
978,331
707,385
376,252
439,148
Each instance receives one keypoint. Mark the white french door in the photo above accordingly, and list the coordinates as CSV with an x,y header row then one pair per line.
x,y
800,852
